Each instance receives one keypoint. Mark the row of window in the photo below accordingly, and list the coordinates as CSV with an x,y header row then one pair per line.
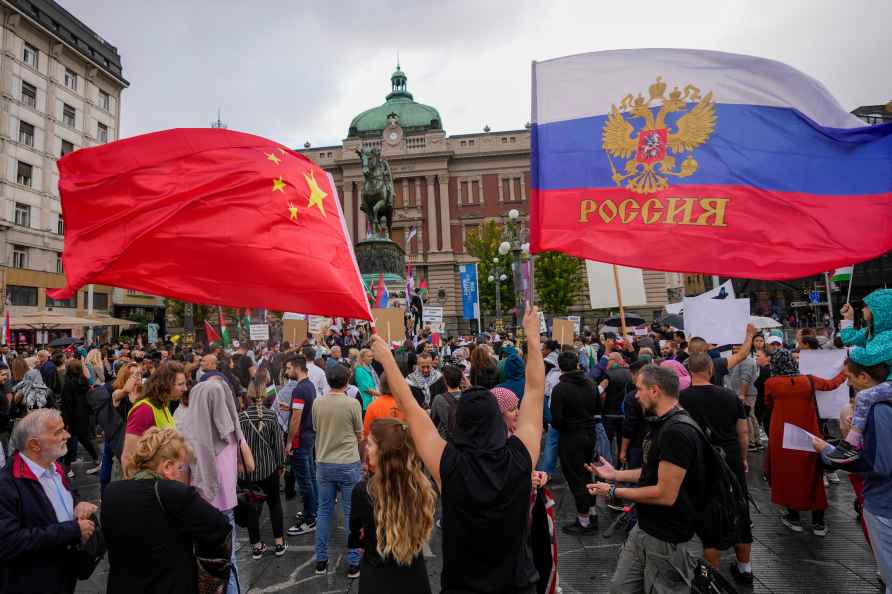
x,y
21,258
26,136
505,140
31,57
23,217
27,296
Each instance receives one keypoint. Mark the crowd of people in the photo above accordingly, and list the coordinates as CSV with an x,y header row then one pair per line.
x,y
408,438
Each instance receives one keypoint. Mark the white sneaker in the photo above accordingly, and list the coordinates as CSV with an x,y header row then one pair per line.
x,y
94,470
71,474
833,477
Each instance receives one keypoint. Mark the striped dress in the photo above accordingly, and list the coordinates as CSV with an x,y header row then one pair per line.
x,y
266,440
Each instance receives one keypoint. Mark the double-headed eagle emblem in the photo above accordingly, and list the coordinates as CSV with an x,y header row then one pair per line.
x,y
655,148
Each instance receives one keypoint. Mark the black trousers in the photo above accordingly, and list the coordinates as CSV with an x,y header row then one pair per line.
x,y
575,450
82,435
270,486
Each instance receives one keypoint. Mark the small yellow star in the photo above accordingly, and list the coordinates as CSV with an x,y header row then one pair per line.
x,y
316,194
293,210
272,157
279,185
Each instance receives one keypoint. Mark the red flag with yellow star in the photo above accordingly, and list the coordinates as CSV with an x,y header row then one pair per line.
x,y
210,216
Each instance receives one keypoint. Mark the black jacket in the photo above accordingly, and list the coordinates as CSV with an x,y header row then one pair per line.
x,y
37,552
574,403
75,407
618,381
150,550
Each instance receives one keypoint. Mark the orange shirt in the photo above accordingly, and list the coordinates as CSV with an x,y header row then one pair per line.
x,y
381,407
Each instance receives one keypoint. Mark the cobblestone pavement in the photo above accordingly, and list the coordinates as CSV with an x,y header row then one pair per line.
x,y
783,562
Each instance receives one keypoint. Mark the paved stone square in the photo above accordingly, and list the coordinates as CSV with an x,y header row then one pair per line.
x,y
783,562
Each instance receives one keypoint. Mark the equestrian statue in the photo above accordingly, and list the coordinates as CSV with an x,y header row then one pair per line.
x,y
377,192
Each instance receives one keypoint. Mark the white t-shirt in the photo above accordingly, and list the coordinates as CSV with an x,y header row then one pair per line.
x,y
317,376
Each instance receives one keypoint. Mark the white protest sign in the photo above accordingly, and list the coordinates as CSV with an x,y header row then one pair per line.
x,y
577,324
796,438
727,287
316,323
543,327
293,316
259,331
826,364
718,321
432,314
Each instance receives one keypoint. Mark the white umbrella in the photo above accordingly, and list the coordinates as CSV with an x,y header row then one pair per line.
x,y
762,322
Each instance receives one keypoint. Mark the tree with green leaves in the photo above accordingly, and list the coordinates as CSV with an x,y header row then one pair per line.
x,y
484,245
557,280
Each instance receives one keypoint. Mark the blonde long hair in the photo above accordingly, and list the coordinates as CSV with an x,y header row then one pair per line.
x,y
402,496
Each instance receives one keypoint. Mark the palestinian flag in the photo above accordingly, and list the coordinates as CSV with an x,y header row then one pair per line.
x,y
843,274
224,332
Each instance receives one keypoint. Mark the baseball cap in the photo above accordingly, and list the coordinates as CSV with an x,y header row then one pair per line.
x,y
774,340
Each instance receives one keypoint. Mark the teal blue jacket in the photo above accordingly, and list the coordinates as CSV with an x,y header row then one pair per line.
x,y
873,345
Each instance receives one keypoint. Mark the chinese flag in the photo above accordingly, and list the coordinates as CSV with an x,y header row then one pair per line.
x,y
210,216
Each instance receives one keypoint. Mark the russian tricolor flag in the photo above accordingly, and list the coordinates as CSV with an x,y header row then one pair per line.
x,y
700,161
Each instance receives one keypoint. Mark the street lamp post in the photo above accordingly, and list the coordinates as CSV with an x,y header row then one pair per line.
x,y
514,241
498,277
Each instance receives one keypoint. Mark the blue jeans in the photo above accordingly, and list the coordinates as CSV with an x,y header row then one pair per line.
x,y
880,531
233,587
303,466
549,457
334,478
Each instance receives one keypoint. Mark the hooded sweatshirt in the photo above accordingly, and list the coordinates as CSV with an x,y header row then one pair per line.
x,y
574,403
513,373
873,345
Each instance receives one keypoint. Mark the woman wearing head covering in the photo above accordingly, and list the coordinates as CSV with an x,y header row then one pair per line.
x,y
508,406
484,475
211,427
795,477
684,376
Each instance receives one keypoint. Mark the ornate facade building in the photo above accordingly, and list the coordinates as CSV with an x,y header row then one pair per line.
x,y
61,91
446,187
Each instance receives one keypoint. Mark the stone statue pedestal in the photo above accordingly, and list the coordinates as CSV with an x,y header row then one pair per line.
x,y
377,256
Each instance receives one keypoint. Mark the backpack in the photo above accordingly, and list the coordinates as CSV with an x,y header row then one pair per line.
x,y
726,506
452,401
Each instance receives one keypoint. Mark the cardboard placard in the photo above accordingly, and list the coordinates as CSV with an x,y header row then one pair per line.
x,y
295,331
318,324
563,331
390,323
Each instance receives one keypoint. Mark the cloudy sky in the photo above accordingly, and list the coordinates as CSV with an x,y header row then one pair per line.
x,y
296,71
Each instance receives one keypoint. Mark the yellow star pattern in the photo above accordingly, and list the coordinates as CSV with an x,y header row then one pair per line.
x,y
317,195
293,211
279,185
272,157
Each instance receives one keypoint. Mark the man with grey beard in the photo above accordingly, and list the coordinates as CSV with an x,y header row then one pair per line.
x,y
40,525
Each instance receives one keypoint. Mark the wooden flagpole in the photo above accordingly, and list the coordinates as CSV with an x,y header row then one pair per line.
x,y
619,300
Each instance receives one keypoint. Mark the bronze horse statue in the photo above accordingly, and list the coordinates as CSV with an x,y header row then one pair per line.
x,y
377,192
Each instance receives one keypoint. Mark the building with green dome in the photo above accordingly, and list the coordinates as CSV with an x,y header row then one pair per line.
x,y
400,106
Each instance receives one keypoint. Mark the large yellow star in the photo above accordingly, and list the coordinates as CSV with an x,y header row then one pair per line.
x,y
278,185
293,211
316,193
272,157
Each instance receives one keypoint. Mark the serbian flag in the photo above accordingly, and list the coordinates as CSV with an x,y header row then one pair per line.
x,y
382,296
208,215
704,162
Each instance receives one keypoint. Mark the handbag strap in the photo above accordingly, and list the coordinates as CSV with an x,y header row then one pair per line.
x,y
158,499
266,443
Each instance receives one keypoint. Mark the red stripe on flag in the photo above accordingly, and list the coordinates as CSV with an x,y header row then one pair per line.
x,y
729,230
